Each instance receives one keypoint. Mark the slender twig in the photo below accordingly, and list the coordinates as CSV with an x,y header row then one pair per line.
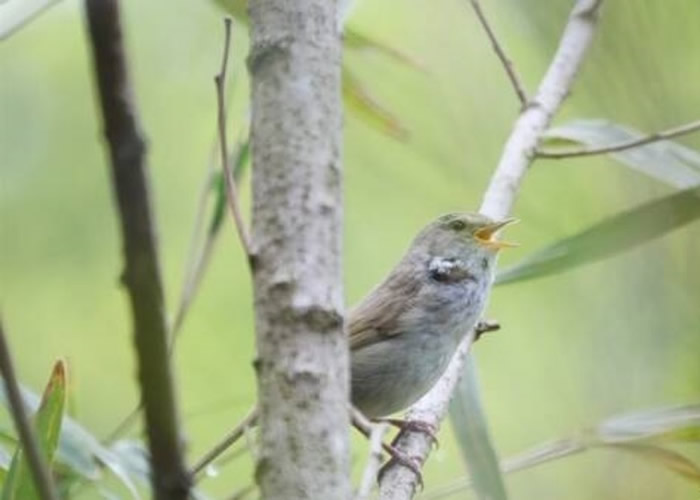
x,y
374,461
688,128
37,463
231,191
249,421
9,25
399,483
500,52
141,274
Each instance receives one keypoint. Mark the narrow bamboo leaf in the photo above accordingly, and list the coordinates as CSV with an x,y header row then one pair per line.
x,y
472,432
636,432
672,460
675,423
75,447
352,39
19,484
365,106
665,161
609,237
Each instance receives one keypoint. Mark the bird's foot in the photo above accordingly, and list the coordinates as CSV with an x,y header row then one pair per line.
x,y
398,457
411,426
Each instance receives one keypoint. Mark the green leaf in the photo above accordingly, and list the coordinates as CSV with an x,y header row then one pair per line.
x,y
356,96
665,161
368,109
80,451
609,237
672,460
638,432
472,432
19,484
675,423
352,39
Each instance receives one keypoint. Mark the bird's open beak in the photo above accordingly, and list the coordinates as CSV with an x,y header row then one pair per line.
x,y
485,235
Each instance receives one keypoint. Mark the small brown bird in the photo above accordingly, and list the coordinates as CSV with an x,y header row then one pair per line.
x,y
405,331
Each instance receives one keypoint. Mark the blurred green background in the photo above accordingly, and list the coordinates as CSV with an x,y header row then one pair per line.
x,y
621,334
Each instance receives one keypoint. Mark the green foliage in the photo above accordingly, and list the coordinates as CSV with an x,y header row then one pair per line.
x,y
471,429
645,434
666,161
613,235
19,483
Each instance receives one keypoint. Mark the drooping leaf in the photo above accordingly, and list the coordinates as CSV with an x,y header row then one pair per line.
x,y
353,39
611,236
675,423
358,99
666,161
672,460
17,13
472,432
19,484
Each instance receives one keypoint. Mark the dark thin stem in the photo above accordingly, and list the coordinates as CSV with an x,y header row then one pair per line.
x,y
231,191
234,435
37,464
505,60
141,274
624,145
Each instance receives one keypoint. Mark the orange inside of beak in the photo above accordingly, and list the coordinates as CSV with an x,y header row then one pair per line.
x,y
484,236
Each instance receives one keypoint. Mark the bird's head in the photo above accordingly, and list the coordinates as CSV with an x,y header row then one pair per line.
x,y
463,235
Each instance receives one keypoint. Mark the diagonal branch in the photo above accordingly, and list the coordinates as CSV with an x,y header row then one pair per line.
x,y
688,128
399,483
500,52
37,463
141,275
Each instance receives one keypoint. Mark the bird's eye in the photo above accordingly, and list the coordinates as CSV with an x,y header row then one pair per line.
x,y
458,225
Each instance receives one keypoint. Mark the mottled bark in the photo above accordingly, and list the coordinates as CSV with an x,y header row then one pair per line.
x,y
302,363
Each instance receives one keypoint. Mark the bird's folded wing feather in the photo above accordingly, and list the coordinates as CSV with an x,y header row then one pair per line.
x,y
378,314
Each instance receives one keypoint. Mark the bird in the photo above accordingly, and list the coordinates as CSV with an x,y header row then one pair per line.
x,y
404,333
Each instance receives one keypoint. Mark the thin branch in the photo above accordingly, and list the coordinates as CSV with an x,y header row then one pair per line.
x,y
248,421
141,275
374,461
688,128
10,25
500,52
399,483
231,191
37,463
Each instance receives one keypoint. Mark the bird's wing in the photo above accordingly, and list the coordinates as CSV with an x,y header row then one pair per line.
x,y
377,315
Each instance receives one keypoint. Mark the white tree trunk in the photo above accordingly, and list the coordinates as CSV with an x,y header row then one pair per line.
x,y
302,363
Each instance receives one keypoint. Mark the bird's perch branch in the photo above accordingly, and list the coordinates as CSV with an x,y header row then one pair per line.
x,y
501,53
399,483
127,149
671,133
37,464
